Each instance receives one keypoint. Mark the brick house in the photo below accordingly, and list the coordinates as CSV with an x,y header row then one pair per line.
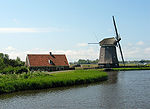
x,y
47,62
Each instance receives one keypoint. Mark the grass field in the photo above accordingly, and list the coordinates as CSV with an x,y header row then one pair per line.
x,y
136,68
31,81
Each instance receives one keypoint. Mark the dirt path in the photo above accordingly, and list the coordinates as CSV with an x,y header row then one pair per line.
x,y
58,71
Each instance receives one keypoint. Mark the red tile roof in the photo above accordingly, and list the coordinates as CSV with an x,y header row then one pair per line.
x,y
43,60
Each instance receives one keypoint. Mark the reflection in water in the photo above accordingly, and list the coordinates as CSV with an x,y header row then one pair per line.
x,y
36,92
112,77
123,90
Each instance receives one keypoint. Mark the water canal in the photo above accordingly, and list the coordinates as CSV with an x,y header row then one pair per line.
x,y
123,90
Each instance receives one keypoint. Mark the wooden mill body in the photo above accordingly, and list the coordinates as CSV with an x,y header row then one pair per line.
x,y
108,54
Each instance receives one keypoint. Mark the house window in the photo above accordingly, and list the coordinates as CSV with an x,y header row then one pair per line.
x,y
50,61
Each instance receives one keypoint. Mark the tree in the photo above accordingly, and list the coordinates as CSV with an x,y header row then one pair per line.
x,y
83,61
6,62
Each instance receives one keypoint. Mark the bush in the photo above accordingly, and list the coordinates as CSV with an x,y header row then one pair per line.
x,y
17,70
7,70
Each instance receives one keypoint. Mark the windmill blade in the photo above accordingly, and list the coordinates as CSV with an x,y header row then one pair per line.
x,y
117,35
93,43
121,53
118,39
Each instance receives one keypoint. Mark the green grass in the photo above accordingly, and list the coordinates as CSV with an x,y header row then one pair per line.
x,y
133,64
136,68
31,81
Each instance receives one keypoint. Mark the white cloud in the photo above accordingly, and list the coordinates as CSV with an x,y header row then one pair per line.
x,y
15,54
140,43
82,44
130,53
9,48
134,52
147,50
30,30
72,55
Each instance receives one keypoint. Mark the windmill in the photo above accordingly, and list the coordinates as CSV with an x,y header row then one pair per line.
x,y
108,54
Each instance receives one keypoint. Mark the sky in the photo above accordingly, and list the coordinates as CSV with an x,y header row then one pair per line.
x,y
67,26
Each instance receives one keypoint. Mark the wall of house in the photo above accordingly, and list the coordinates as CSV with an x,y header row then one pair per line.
x,y
27,62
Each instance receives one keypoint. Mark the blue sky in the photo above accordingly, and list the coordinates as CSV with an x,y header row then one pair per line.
x,y
66,26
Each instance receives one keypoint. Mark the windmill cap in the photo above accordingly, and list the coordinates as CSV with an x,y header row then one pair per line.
x,y
108,42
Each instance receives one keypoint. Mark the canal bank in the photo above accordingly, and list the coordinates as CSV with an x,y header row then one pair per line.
x,y
123,90
40,80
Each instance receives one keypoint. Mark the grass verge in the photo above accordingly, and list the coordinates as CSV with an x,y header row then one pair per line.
x,y
31,81
126,69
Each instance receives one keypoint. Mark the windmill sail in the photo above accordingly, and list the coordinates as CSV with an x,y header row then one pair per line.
x,y
118,39
93,43
117,35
